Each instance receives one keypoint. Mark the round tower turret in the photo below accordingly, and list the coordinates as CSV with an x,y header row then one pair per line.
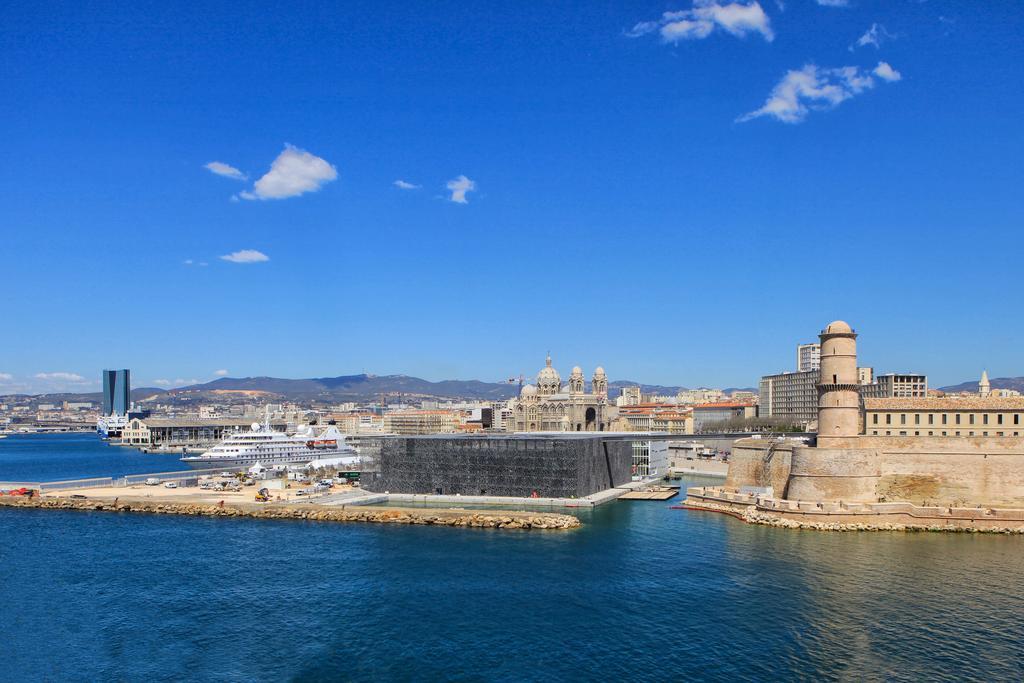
x,y
838,392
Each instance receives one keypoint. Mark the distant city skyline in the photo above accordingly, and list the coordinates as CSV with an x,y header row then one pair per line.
x,y
680,193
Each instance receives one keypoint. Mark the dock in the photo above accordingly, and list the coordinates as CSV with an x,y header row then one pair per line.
x,y
656,493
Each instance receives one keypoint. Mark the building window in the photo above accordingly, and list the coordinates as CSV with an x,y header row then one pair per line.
x,y
903,419
958,418
917,419
943,418
917,433
903,433
931,419
944,433
970,419
874,419
984,419
931,433
888,433
999,418
888,419
1016,419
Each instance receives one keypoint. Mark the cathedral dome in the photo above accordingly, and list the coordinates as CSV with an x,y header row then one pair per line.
x,y
548,376
529,390
599,372
577,371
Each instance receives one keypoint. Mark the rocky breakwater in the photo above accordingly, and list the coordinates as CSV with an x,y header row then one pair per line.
x,y
751,515
383,515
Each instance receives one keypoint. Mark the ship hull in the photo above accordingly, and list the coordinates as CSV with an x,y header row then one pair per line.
x,y
202,462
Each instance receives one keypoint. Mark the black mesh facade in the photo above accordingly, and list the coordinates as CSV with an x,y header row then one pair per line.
x,y
557,467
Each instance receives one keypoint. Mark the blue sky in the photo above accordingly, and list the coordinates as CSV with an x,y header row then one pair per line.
x,y
679,192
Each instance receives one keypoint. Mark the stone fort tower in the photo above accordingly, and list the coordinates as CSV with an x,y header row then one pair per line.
x,y
838,394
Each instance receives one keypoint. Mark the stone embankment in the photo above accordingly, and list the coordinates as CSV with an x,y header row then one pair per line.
x,y
753,516
455,518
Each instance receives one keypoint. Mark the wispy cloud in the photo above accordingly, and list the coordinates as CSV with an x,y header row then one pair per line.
x,y
874,36
293,173
226,170
221,373
735,18
814,88
245,256
6,377
833,3
60,376
459,187
403,185
887,73
178,382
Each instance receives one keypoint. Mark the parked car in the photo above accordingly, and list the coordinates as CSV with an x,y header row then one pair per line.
x,y
152,481
171,485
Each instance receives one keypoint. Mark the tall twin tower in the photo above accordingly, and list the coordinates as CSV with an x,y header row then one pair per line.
x,y
838,391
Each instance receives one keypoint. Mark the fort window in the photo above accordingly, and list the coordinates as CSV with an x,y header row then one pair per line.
x,y
903,433
999,418
970,418
931,433
931,419
958,421
917,419
943,418
903,419
984,418
944,433
874,418
888,419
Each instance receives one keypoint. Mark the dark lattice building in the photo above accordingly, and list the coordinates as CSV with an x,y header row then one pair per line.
x,y
550,465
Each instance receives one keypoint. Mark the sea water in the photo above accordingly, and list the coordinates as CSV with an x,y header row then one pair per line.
x,y
640,592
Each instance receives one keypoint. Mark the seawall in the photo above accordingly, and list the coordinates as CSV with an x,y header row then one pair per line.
x,y
384,515
837,516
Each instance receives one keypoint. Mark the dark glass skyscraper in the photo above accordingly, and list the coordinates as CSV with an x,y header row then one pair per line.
x,y
116,392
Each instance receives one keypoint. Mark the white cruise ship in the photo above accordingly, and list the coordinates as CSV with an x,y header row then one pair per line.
x,y
267,447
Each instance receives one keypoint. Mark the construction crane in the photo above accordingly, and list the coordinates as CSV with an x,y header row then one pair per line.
x,y
513,380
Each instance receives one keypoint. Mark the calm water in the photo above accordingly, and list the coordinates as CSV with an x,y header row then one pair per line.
x,y
642,592
53,457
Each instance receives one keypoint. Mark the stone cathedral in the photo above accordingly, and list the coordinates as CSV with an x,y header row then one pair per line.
x,y
550,406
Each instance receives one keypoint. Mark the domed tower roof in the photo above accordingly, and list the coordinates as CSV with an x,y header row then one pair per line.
x,y
838,327
528,390
577,370
548,380
599,372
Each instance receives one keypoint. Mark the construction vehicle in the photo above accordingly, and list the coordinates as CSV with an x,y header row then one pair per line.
x,y
263,495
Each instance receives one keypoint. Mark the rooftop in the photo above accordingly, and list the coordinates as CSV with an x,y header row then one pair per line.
x,y
948,403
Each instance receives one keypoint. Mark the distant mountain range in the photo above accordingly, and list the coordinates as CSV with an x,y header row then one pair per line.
x,y
344,388
1016,383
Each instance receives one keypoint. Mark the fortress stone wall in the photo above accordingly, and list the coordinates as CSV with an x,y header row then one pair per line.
x,y
942,470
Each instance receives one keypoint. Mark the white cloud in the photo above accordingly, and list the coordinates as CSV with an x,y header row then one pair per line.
x,y
811,87
834,3
735,18
226,170
875,36
221,373
60,376
294,172
459,187
401,184
188,262
245,256
162,382
6,377
887,73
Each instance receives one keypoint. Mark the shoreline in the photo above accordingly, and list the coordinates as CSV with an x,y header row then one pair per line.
x,y
750,511
480,519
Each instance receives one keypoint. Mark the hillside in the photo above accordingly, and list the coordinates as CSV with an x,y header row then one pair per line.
x,y
1016,383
